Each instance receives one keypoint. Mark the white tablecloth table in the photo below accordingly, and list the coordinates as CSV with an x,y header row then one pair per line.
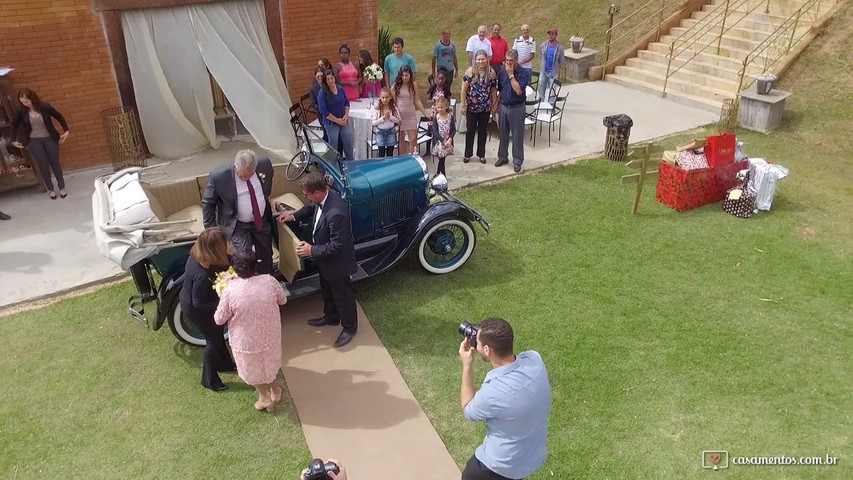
x,y
361,124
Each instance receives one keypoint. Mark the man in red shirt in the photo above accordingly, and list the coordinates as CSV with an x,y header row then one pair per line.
x,y
499,48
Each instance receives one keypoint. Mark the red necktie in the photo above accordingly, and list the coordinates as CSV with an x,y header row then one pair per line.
x,y
256,211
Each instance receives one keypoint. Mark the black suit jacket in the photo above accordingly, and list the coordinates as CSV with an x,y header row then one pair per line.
x,y
332,247
23,118
219,202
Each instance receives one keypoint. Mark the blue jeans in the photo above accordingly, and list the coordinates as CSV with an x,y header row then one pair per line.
x,y
545,82
344,133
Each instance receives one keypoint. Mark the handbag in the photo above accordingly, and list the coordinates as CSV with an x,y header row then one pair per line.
x,y
739,201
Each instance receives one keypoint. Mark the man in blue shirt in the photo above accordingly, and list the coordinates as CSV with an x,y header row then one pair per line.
x,y
512,85
395,61
514,401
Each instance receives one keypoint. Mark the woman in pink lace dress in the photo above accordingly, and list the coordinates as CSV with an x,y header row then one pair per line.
x,y
250,307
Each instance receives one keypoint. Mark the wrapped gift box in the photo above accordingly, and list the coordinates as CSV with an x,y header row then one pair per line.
x,y
685,190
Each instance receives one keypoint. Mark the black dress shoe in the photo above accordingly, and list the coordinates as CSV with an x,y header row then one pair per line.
x,y
501,163
322,322
4,216
343,339
217,388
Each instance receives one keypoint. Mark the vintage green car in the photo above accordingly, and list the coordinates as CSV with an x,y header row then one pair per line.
x,y
394,209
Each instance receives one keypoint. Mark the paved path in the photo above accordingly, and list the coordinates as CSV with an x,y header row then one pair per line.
x,y
48,246
353,403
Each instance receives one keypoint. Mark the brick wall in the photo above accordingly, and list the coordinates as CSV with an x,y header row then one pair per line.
x,y
314,29
57,48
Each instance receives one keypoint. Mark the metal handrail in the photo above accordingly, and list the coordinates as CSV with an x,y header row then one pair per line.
x,y
780,34
719,16
649,13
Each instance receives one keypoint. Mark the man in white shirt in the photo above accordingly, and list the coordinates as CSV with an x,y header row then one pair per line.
x,y
478,42
525,45
237,200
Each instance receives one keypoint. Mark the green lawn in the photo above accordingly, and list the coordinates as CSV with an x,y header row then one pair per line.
x,y
665,333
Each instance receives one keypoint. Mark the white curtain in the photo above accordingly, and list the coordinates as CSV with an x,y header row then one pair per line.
x,y
170,51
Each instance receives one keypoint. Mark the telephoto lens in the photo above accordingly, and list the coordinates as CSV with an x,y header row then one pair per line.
x,y
469,331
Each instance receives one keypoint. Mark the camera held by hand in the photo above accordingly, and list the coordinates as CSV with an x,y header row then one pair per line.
x,y
317,470
469,331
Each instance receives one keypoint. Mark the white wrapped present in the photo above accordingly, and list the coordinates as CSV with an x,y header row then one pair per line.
x,y
763,179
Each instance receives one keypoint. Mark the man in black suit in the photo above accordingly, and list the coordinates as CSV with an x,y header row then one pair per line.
x,y
334,252
237,200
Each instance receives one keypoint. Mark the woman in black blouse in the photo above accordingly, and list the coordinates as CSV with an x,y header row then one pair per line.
x,y
41,137
208,257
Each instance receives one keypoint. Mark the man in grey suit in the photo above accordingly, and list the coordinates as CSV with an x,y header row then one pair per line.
x,y
237,200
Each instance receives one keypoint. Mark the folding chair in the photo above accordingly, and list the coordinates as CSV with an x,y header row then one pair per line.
x,y
308,110
371,144
531,110
551,116
424,135
534,80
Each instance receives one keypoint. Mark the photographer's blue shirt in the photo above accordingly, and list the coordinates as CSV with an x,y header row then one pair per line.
x,y
515,402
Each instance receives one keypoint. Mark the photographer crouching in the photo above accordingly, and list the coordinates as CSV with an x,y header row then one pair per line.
x,y
514,401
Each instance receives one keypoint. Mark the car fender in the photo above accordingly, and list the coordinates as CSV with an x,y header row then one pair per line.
x,y
434,213
167,294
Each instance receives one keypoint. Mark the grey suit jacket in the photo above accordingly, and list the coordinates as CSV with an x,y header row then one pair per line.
x,y
219,202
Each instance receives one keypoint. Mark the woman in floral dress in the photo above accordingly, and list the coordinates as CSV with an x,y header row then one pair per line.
x,y
250,308
479,99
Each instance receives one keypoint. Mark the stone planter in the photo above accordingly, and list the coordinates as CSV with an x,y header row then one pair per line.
x,y
765,83
577,44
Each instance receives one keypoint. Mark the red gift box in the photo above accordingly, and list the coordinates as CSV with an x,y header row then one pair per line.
x,y
720,150
688,189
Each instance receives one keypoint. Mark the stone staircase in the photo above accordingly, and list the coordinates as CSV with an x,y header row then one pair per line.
x,y
709,77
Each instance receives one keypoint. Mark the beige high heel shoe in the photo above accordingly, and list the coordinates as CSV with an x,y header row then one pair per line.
x,y
275,394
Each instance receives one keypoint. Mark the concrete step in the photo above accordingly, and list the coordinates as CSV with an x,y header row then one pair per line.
x,y
710,88
739,18
722,67
685,98
749,25
726,42
704,58
775,18
700,73
727,52
738,31
780,8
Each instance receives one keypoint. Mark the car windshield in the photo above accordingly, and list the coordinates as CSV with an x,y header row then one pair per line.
x,y
321,149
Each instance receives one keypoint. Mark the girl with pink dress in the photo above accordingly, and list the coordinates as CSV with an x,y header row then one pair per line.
x,y
405,93
348,75
250,308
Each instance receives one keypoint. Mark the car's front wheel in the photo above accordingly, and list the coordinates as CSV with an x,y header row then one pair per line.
x,y
446,245
182,327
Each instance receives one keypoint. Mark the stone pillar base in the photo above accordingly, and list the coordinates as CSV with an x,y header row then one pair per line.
x,y
578,64
762,113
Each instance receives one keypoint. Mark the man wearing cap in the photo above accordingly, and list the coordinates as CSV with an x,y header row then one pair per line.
x,y
551,58
499,48
476,43
525,45
512,82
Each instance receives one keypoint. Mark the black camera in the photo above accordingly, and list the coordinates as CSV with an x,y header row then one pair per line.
x,y
317,470
470,332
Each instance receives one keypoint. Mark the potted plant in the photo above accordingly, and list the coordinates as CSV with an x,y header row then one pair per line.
x,y
577,43
764,83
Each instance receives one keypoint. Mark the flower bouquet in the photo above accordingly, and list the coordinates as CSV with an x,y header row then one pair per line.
x,y
222,280
372,75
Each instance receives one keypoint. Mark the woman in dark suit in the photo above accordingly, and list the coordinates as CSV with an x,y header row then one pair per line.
x,y
208,257
41,137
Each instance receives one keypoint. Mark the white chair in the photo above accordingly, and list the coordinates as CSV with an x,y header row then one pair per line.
x,y
551,116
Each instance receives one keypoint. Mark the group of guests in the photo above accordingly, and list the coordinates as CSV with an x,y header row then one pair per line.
x,y
494,83
238,218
